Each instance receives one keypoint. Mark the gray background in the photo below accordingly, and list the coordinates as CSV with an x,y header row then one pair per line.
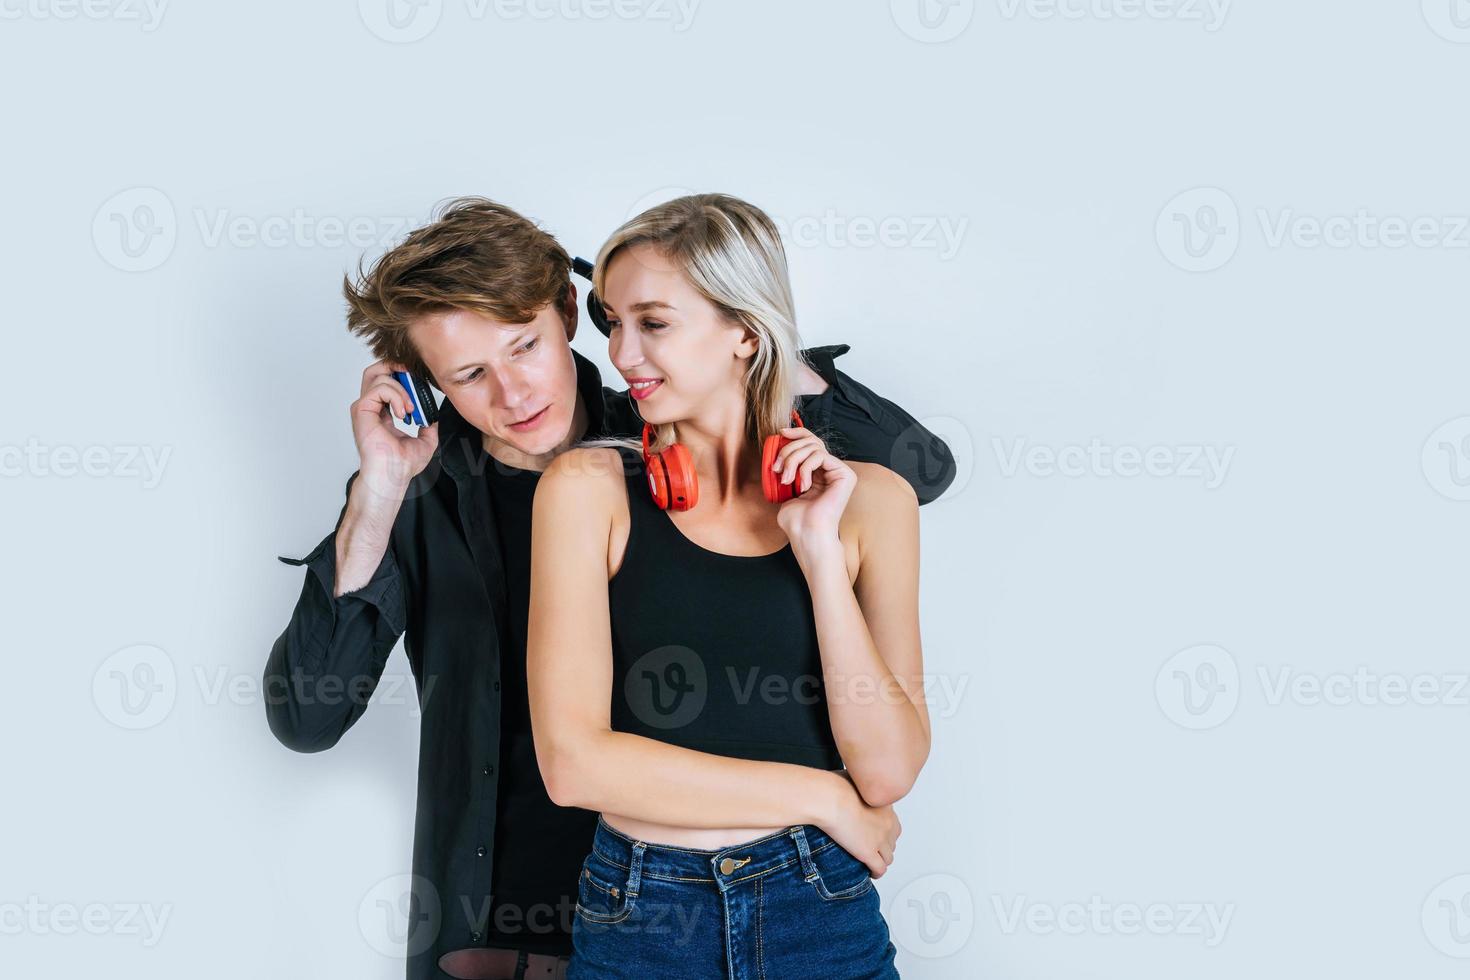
x,y
1165,689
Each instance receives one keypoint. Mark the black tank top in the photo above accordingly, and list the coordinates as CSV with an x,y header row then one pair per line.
x,y
714,652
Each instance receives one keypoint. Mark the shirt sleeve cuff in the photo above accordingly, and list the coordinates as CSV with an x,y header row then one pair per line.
x,y
321,565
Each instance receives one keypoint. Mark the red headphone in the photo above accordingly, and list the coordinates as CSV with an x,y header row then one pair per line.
x,y
674,485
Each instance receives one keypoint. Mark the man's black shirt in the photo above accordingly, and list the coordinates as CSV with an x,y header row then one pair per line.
x,y
534,884
445,584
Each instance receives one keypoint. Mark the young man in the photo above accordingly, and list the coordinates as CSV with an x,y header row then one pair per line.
x,y
434,542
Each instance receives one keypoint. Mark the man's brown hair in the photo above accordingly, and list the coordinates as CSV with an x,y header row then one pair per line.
x,y
475,255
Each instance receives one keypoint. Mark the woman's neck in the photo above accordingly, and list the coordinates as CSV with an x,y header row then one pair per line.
x,y
723,458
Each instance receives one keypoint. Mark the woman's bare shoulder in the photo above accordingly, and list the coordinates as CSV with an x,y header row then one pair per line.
x,y
882,504
880,491
582,472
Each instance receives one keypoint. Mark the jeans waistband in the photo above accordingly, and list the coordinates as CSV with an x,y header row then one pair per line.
x,y
725,866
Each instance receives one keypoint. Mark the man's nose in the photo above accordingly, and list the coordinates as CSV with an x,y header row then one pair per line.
x,y
510,389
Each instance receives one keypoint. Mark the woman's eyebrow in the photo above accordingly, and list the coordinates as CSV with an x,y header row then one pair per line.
x,y
648,304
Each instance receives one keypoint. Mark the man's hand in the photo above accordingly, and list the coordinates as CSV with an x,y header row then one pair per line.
x,y
389,458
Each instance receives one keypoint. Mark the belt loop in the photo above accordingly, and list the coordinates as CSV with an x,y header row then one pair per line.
x,y
635,869
808,867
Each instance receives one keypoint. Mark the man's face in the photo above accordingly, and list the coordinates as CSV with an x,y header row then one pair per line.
x,y
515,382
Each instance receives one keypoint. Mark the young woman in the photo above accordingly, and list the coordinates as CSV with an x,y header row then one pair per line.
x,y
735,687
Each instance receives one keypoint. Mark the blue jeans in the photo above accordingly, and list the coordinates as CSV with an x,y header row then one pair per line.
x,y
786,906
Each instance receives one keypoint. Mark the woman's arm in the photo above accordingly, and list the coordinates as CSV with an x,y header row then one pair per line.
x,y
586,764
868,629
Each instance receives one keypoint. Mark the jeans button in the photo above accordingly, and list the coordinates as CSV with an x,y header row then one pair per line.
x,y
727,866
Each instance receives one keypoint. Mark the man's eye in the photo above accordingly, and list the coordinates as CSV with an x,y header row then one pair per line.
x,y
653,325
530,344
613,323
471,377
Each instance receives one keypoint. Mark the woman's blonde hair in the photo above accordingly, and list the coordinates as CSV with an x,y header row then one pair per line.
x,y
731,252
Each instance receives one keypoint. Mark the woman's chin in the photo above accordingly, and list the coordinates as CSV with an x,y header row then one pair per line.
x,y
661,415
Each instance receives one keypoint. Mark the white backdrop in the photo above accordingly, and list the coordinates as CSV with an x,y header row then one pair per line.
x,y
1183,283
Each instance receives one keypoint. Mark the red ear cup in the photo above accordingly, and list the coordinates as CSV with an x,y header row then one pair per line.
x,y
658,481
776,491
671,478
683,482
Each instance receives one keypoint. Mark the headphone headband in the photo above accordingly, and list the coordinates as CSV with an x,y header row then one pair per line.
x,y
595,312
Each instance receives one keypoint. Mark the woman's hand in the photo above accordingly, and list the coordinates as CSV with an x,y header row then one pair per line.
x,y
868,833
811,520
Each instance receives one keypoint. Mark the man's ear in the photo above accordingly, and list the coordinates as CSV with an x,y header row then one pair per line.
x,y
569,311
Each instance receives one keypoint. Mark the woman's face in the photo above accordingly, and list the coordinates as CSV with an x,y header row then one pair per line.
x,y
672,346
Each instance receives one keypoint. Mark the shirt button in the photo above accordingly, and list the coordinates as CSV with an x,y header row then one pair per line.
x,y
474,937
480,851
488,770
497,685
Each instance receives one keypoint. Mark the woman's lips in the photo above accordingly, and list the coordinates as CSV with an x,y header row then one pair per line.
x,y
531,422
641,391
